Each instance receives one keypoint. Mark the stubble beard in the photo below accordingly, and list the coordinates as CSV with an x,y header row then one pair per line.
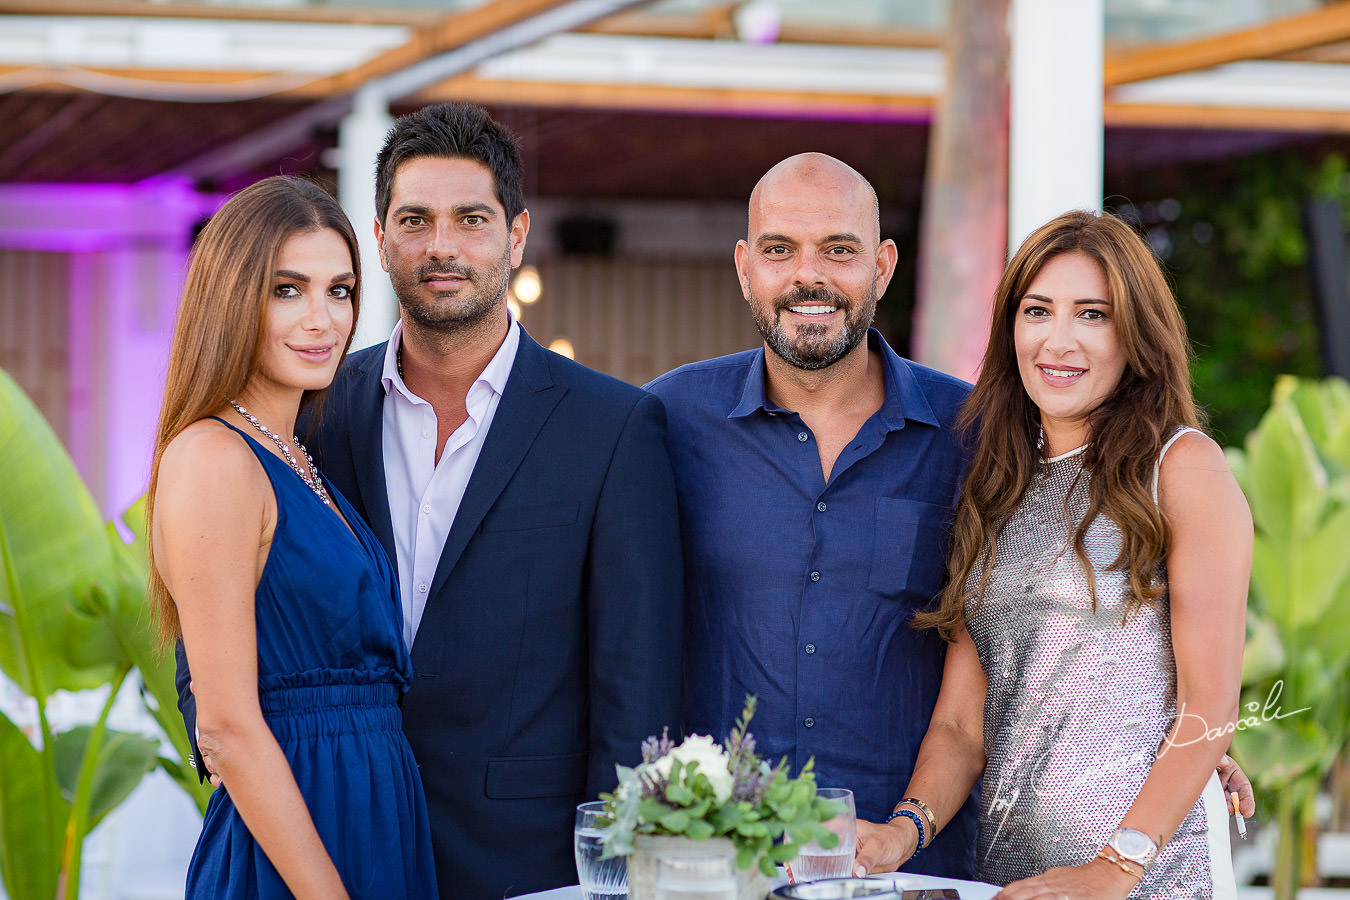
x,y
812,348
440,313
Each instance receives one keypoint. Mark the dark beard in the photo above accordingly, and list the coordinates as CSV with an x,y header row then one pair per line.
x,y
811,347
487,292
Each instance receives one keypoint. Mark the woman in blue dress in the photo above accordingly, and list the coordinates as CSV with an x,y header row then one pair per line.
x,y
285,602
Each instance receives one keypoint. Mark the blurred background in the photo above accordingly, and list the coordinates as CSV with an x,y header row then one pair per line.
x,y
1220,128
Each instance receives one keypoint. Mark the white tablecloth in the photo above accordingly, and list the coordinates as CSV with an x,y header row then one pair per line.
x,y
970,890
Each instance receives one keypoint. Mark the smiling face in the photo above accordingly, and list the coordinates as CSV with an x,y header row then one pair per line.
x,y
1068,352
813,265
447,245
309,313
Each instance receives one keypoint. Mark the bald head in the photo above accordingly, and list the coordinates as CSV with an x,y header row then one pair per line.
x,y
813,264
815,179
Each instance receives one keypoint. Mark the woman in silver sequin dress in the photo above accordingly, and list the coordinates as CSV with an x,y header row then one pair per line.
x,y
1100,560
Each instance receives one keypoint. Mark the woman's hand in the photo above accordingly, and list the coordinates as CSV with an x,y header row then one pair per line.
x,y
1233,778
1097,880
884,847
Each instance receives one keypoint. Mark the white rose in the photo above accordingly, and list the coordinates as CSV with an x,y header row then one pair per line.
x,y
713,763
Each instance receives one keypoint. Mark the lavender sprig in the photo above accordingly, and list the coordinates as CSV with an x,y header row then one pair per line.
x,y
653,749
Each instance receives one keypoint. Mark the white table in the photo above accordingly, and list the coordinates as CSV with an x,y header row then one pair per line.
x,y
970,890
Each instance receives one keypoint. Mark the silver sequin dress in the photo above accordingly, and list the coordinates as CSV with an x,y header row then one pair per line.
x,y
1078,704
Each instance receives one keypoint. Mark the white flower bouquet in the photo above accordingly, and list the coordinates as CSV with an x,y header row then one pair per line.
x,y
700,790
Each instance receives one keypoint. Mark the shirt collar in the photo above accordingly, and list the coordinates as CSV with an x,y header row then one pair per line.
x,y
904,398
495,374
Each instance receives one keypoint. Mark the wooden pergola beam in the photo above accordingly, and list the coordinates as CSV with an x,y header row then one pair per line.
x,y
1234,118
1287,35
344,15
447,34
678,99
705,27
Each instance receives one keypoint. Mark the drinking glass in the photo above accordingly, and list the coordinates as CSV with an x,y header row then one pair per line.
x,y
814,861
601,879
686,876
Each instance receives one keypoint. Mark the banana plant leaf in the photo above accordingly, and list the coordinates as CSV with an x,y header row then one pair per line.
x,y
30,840
54,545
122,761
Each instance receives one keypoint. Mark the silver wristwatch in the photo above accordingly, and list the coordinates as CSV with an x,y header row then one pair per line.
x,y
1133,845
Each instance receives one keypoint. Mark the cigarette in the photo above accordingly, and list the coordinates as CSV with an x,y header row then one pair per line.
x,y
1237,815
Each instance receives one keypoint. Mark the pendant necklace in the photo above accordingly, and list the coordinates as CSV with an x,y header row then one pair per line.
x,y
311,476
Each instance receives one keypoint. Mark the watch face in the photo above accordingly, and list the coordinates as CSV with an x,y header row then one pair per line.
x,y
1134,844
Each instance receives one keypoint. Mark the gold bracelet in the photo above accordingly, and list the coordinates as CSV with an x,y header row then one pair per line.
x,y
927,814
1125,865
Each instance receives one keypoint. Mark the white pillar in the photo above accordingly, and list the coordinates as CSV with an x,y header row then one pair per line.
x,y
1055,133
360,137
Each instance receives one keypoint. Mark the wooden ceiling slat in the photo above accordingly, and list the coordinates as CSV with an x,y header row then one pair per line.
x,y
446,34
345,15
1235,118
671,98
1326,25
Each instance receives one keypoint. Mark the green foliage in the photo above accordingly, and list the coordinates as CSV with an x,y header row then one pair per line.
x,y
71,618
1295,715
1232,240
763,806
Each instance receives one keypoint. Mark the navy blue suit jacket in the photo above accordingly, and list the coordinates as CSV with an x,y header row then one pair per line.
x,y
551,642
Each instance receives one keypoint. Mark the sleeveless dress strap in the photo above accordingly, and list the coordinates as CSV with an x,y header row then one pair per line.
x,y
1167,445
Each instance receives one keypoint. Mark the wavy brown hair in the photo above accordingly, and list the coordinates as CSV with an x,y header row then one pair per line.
x,y
1001,425
218,336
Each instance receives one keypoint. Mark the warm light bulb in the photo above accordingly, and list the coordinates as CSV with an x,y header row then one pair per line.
x,y
563,347
527,286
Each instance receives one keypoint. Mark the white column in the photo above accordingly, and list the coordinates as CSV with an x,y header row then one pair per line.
x,y
1055,133
360,137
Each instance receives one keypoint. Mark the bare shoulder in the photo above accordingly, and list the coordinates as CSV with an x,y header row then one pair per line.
x,y
1194,450
1195,479
208,463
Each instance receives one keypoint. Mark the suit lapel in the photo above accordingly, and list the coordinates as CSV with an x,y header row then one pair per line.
x,y
529,397
365,436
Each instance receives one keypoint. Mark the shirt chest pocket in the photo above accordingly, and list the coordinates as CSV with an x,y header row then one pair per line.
x,y
909,550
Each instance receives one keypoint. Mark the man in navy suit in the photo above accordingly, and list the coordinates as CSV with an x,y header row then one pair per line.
x,y
530,507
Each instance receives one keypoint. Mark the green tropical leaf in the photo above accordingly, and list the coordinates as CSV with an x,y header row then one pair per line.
x,y
52,536
1287,489
121,762
30,841
1274,756
1263,656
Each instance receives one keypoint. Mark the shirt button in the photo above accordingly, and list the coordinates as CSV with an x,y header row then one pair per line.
x,y
426,434
803,436
810,648
815,576
820,507
426,508
422,588
809,722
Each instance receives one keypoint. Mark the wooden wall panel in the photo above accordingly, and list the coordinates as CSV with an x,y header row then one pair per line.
x,y
638,318
34,286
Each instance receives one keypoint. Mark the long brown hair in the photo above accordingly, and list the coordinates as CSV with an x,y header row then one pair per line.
x,y
218,336
1125,433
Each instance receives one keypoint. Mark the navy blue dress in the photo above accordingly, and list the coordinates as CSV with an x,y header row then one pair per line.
x,y
331,666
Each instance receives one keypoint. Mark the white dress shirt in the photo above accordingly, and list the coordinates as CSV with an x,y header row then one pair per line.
x,y
424,495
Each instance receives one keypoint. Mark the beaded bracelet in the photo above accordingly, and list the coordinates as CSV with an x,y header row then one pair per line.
x,y
918,823
927,814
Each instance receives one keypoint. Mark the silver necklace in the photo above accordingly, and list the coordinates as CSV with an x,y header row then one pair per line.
x,y
311,476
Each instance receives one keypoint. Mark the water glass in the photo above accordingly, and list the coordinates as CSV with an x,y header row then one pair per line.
x,y
684,876
601,879
814,861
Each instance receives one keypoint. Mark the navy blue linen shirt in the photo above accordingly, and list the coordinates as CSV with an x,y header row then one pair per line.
x,y
801,591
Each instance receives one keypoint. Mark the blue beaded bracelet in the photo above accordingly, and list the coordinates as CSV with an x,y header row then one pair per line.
x,y
918,823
